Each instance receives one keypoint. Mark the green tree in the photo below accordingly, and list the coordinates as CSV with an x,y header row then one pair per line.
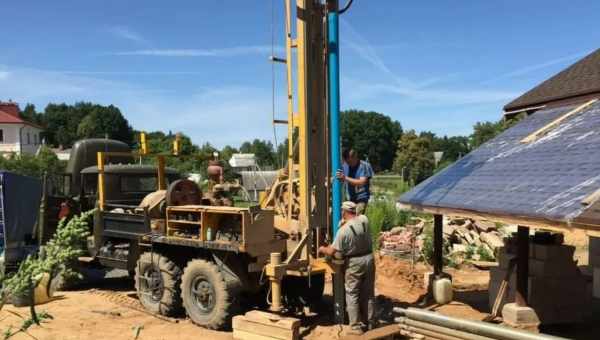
x,y
161,143
227,151
65,124
484,131
61,124
263,150
30,114
453,147
373,135
414,157
105,121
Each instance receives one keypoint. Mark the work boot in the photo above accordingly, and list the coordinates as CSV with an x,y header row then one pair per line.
x,y
354,330
373,324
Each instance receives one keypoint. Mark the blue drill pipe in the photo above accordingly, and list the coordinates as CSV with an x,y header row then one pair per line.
x,y
334,114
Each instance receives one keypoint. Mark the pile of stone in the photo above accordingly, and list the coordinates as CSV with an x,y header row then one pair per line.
x,y
402,241
557,290
463,238
470,238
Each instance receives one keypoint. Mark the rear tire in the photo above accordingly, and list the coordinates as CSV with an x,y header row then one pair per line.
x,y
157,283
209,299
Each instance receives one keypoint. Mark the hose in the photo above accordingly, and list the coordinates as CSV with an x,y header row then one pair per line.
x,y
345,8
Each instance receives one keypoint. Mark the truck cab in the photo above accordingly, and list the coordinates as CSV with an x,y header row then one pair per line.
x,y
118,227
76,190
125,184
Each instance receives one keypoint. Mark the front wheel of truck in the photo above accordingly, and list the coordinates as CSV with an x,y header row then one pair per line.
x,y
157,281
210,300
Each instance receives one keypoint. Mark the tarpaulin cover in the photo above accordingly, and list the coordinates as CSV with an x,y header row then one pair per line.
x,y
20,204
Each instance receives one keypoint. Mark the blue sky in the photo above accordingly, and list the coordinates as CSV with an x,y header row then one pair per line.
x,y
201,67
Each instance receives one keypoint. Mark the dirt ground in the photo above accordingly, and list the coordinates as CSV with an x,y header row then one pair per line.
x,y
108,309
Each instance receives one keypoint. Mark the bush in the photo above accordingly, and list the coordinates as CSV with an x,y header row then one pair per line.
x,y
383,216
55,258
29,165
428,247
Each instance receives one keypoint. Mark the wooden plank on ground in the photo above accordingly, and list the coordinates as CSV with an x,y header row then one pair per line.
x,y
242,335
385,332
271,319
240,323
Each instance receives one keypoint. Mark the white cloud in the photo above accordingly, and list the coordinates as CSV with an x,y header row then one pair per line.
x,y
209,52
221,115
131,73
359,91
531,68
126,33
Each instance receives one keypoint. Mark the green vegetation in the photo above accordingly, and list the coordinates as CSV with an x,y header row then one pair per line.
x,y
34,319
388,187
55,258
33,165
428,247
64,124
484,254
414,157
484,131
383,216
373,135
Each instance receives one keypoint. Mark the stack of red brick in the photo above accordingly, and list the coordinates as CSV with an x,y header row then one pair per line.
x,y
557,290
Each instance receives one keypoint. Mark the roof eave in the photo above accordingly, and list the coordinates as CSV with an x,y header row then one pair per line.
x,y
508,108
529,221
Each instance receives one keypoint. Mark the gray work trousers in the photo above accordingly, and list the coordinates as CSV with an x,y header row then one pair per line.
x,y
360,289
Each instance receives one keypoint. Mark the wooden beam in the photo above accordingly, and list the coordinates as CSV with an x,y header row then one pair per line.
x,y
522,266
590,226
553,124
438,245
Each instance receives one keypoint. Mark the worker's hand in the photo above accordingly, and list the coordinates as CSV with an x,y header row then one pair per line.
x,y
340,175
322,249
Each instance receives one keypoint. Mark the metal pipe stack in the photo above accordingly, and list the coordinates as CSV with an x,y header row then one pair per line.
x,y
421,324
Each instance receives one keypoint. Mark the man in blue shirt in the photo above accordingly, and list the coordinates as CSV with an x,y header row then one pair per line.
x,y
357,174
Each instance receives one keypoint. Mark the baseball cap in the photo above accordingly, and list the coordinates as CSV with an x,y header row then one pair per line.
x,y
349,206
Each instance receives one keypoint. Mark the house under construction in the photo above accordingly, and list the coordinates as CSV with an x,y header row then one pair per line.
x,y
544,172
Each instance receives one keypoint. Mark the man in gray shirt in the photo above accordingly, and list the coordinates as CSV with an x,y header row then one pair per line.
x,y
353,242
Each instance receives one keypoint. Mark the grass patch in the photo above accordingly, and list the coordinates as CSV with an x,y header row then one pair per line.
x,y
388,187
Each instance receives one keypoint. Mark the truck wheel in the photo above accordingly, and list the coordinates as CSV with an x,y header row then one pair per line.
x,y
157,284
207,298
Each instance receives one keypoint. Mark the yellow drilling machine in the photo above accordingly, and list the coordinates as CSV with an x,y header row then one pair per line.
x,y
192,253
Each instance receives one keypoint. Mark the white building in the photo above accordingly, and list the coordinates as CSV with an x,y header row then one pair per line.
x,y
243,160
17,135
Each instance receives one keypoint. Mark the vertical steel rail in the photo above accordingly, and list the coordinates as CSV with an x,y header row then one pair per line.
x,y
162,184
290,107
101,197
